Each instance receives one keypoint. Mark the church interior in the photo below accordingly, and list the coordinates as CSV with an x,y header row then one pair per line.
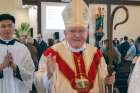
x,y
109,21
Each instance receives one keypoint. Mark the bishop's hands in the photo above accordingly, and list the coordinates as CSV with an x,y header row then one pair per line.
x,y
110,79
8,62
51,65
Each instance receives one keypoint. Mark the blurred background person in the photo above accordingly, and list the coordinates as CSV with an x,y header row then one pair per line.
x,y
41,45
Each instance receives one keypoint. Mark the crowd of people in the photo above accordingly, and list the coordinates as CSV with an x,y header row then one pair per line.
x,y
125,54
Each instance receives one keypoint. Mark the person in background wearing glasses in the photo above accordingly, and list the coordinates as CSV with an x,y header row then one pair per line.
x,y
73,66
16,65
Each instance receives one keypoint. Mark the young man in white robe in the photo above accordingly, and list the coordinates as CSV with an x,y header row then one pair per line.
x,y
16,65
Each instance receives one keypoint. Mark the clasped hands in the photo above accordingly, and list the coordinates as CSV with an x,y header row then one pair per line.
x,y
110,79
8,62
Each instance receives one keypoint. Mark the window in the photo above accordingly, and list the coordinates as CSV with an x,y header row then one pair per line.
x,y
54,18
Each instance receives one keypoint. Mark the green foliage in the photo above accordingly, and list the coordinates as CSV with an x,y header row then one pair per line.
x,y
23,29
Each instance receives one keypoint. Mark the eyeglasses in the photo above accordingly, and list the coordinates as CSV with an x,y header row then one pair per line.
x,y
78,31
9,26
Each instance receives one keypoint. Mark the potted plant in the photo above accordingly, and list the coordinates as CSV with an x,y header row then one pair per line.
x,y
23,29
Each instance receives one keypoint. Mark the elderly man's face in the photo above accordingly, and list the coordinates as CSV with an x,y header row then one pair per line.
x,y
7,29
76,36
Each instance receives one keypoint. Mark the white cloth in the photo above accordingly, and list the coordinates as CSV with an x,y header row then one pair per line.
x,y
22,58
134,84
131,53
76,13
40,82
73,49
43,84
50,83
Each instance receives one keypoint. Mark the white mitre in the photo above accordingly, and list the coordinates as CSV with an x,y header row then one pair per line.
x,y
76,14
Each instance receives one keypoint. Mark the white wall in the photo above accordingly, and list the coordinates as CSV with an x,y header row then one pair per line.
x,y
27,14
130,28
48,33
12,7
32,13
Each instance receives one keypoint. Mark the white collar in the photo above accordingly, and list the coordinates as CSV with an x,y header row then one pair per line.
x,y
82,48
7,41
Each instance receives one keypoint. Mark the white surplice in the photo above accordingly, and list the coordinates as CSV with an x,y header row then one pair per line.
x,y
22,58
134,84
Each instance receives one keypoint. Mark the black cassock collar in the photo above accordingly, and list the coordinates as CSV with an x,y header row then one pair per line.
x,y
11,42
